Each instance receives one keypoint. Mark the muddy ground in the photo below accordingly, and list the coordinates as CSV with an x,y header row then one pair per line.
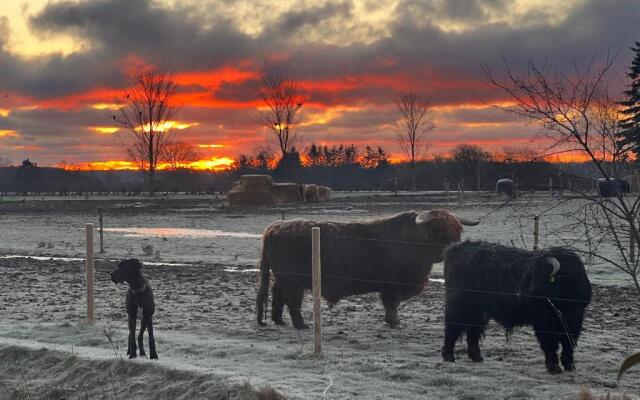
x,y
205,289
205,318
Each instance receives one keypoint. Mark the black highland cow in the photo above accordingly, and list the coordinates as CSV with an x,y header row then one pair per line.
x,y
546,289
610,187
392,256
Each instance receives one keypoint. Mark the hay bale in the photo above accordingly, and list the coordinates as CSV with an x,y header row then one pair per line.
x,y
251,190
311,194
324,193
287,193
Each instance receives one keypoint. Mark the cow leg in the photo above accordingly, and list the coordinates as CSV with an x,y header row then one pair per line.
x,y
452,333
566,357
549,342
132,337
293,295
277,304
143,327
452,329
473,343
391,303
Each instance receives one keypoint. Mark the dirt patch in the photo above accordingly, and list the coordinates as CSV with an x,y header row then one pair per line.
x,y
205,319
45,374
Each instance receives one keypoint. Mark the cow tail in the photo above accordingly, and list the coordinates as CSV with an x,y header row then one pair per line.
x,y
263,289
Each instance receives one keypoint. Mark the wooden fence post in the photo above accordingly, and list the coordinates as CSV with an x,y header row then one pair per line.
x,y
459,193
317,290
632,246
536,231
550,186
101,221
90,274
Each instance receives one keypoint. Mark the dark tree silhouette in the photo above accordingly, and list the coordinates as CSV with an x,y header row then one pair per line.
x,y
282,101
147,107
629,136
412,126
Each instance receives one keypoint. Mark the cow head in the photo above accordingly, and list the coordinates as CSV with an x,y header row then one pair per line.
x,y
126,270
441,227
540,278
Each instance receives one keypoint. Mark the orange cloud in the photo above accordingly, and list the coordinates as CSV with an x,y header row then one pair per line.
x,y
213,163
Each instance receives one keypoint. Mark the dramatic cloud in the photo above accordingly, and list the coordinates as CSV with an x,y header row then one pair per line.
x,y
351,57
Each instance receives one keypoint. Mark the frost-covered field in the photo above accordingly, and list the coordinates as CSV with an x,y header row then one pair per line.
x,y
202,271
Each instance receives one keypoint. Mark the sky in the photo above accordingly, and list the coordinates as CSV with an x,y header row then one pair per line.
x,y
64,62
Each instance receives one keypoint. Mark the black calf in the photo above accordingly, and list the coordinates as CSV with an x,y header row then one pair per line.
x,y
139,303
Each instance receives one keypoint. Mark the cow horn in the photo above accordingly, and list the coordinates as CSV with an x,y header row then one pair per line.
x,y
467,222
556,267
420,219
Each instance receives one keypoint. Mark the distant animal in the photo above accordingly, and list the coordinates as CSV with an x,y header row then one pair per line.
x,y
284,193
609,187
505,186
311,194
324,193
392,256
139,303
546,289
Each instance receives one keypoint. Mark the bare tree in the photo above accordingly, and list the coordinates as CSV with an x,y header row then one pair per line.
x,y
471,158
179,155
412,125
576,114
147,107
283,99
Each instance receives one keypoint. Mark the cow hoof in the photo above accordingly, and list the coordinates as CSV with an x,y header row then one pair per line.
x,y
143,354
154,356
262,323
279,322
448,358
569,367
301,327
476,358
555,370
132,356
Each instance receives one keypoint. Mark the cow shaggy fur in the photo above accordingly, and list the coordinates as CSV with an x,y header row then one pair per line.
x,y
392,256
515,287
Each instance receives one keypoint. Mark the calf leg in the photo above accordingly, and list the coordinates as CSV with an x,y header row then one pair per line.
x,y
143,327
391,304
293,295
549,342
152,340
277,304
132,337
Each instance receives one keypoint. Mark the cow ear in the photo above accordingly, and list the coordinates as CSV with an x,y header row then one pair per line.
x,y
138,265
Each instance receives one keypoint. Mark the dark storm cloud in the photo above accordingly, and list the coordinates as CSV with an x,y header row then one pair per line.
x,y
179,39
416,55
291,22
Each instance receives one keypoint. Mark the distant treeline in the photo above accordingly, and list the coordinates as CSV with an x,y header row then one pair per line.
x,y
29,178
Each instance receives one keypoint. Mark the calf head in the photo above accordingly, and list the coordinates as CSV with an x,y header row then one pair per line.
x,y
126,271
441,227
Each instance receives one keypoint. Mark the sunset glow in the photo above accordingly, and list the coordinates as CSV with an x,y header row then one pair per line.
x,y
66,66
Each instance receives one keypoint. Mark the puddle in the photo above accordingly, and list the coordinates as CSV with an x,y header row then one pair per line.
x,y
41,258
240,270
69,259
180,233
